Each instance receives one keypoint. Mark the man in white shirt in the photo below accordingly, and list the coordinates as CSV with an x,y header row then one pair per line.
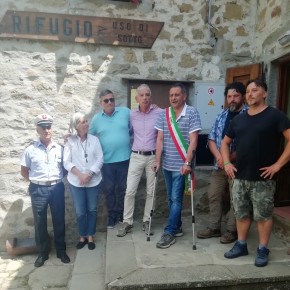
x,y
41,164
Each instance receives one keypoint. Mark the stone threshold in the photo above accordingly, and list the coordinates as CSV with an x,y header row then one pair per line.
x,y
134,263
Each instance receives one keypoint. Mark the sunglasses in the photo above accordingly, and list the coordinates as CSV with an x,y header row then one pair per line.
x,y
46,127
106,101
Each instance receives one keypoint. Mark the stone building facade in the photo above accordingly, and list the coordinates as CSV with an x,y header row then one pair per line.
x,y
199,41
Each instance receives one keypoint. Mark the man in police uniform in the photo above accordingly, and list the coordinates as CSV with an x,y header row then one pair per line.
x,y
41,164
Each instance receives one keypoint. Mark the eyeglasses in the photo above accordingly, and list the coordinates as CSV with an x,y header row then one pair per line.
x,y
111,100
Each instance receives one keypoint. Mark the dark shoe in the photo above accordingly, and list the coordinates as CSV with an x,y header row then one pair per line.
x,y
81,244
262,257
179,233
112,221
40,260
91,245
63,257
124,229
166,241
237,250
228,237
208,233
145,228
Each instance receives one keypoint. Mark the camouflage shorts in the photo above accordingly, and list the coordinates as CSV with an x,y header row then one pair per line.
x,y
254,199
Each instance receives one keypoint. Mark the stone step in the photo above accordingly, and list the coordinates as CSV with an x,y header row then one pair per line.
x,y
134,263
281,225
89,266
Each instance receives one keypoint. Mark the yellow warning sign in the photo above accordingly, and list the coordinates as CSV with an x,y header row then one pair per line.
x,y
211,103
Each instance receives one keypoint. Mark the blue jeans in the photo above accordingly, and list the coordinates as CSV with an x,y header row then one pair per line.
x,y
114,186
42,197
175,184
85,203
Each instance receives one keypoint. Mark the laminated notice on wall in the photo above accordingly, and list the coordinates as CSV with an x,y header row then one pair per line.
x,y
133,94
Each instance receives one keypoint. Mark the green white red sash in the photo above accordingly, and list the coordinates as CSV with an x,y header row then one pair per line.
x,y
180,145
175,133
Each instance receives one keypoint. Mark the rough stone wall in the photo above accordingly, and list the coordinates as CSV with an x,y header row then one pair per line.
x,y
61,78
272,21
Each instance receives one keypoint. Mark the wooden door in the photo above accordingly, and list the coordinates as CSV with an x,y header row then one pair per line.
x,y
282,196
243,73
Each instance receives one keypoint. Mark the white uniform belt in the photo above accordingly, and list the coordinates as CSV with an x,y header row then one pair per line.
x,y
46,183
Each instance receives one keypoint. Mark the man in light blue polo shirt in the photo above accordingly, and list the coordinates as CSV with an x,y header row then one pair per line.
x,y
112,127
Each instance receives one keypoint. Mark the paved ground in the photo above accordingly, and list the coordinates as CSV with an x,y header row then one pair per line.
x,y
134,263
131,262
19,272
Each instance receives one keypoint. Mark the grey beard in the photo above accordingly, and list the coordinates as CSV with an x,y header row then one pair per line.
x,y
233,107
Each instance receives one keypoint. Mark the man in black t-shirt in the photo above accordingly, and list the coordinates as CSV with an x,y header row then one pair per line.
x,y
257,135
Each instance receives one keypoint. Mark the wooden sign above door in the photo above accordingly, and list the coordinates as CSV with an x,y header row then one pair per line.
x,y
78,28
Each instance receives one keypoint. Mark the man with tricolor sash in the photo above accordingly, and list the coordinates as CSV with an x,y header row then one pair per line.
x,y
177,138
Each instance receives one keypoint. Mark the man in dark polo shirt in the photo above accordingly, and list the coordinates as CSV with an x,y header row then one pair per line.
x,y
41,164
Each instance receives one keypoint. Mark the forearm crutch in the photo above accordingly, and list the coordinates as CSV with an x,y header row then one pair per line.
x,y
192,189
153,205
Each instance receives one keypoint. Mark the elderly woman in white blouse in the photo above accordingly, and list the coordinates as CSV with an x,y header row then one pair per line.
x,y
83,159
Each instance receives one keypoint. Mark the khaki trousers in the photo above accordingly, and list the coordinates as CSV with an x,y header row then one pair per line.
x,y
139,163
219,185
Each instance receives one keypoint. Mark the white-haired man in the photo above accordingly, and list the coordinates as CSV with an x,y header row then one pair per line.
x,y
143,120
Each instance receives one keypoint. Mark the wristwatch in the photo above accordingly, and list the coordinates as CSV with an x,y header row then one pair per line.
x,y
187,163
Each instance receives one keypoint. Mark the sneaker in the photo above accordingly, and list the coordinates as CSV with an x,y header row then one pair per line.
x,y
111,223
237,250
228,237
145,228
179,233
208,233
262,257
166,241
124,229
110,226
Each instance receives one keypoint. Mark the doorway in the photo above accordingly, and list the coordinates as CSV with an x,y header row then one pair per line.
x,y
160,96
282,197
